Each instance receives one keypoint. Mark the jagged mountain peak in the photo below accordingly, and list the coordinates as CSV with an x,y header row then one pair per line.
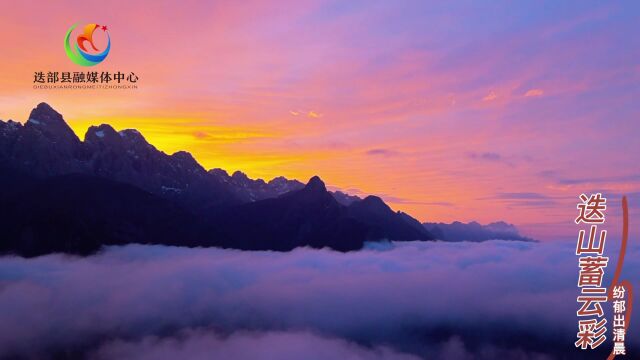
x,y
344,198
374,200
134,137
44,113
372,204
278,180
219,172
239,175
185,159
284,185
316,184
183,156
10,125
49,122
101,133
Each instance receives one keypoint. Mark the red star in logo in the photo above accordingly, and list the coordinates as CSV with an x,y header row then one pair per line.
x,y
104,28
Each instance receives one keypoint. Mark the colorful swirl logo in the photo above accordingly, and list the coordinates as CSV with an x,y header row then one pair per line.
x,y
81,55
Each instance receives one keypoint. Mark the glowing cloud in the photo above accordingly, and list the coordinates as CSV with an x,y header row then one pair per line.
x,y
313,114
490,97
534,92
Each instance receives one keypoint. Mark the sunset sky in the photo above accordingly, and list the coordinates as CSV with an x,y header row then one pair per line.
x,y
504,111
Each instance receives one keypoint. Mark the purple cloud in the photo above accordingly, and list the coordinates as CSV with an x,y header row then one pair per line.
x,y
487,156
198,344
382,152
488,300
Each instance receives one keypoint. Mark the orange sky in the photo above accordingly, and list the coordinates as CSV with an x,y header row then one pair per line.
x,y
448,112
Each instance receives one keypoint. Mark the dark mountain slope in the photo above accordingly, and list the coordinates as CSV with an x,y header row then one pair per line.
x,y
79,213
306,217
384,223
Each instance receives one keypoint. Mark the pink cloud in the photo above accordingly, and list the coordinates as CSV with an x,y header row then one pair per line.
x,y
534,92
490,97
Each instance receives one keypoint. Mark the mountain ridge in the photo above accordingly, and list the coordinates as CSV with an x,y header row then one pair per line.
x,y
474,231
211,207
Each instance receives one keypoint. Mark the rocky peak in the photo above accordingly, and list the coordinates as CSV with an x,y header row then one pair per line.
x,y
43,114
132,134
344,198
373,204
278,180
9,126
240,176
219,172
282,185
183,156
186,160
316,184
373,200
50,123
134,139
102,134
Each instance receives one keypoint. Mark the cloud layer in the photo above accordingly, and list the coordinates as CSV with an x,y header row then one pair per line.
x,y
430,300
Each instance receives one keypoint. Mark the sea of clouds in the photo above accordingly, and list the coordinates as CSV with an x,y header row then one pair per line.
x,y
431,300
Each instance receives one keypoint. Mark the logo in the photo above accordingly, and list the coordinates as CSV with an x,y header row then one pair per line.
x,y
82,55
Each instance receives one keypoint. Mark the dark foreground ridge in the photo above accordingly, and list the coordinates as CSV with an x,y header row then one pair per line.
x,y
61,194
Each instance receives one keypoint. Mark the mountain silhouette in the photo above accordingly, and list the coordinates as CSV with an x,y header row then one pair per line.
x,y
61,194
306,217
474,231
384,223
